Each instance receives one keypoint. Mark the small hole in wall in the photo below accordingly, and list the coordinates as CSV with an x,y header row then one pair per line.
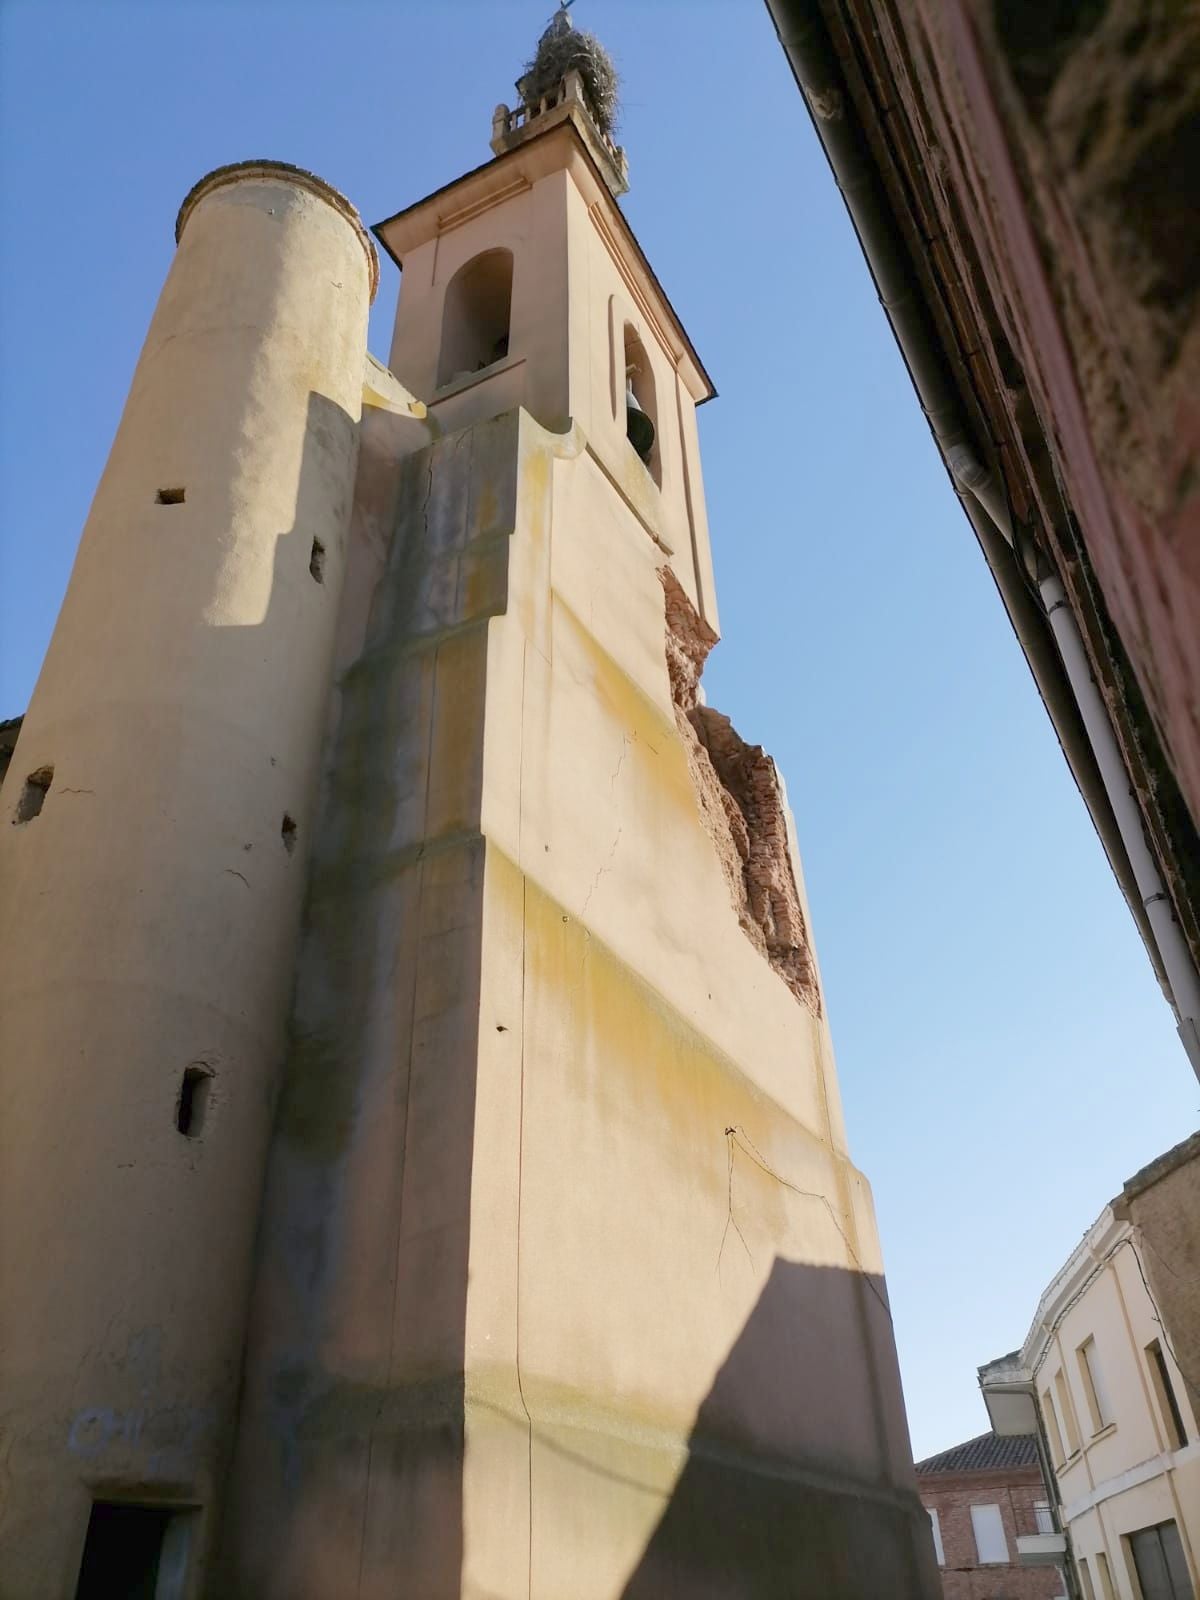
x,y
287,833
193,1101
316,561
170,497
33,795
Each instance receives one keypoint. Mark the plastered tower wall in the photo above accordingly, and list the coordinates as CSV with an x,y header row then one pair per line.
x,y
579,281
676,1323
150,911
567,1285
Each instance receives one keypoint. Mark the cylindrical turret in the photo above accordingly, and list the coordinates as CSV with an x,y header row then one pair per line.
x,y
153,834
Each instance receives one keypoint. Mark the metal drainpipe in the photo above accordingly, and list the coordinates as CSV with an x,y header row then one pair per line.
x,y
1182,978
1056,1503
1168,935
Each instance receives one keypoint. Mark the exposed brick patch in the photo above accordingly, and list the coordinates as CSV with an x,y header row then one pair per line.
x,y
741,805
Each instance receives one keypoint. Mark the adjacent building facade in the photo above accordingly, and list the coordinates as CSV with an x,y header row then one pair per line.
x,y
986,1498
1118,1417
1023,182
423,1172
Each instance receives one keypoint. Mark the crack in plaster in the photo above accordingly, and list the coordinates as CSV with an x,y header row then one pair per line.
x,y
607,865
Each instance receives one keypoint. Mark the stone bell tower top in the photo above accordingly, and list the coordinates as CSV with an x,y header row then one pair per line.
x,y
522,285
571,78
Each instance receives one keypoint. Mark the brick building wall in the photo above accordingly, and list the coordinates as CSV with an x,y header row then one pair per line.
x,y
1070,140
1039,165
1016,1491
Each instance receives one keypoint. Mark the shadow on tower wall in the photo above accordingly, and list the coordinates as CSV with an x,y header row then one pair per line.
x,y
787,1493
172,826
348,1470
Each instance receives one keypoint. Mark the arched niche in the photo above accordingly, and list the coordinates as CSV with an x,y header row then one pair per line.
x,y
638,375
475,316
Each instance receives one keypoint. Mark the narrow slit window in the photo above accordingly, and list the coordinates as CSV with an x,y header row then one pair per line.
x,y
316,561
33,795
170,497
287,832
193,1101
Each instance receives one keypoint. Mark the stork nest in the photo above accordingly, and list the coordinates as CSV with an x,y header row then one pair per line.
x,y
564,48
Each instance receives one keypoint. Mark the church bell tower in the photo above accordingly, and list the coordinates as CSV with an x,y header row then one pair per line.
x,y
524,1258
568,1287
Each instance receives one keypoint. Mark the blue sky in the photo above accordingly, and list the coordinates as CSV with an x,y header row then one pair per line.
x,y
1005,1058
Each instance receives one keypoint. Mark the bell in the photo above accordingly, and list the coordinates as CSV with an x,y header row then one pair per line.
x,y
638,426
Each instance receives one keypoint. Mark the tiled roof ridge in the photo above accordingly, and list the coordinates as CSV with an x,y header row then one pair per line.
x,y
987,1452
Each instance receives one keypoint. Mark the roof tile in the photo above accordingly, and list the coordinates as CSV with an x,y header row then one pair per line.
x,y
989,1452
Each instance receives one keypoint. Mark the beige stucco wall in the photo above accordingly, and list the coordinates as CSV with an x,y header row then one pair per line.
x,y
624,1246
529,1320
149,914
575,288
565,1284
1128,1474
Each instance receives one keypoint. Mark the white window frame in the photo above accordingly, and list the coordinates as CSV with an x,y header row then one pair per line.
x,y
1050,1417
936,1527
1107,1590
1066,1413
1094,1388
1085,1579
993,1535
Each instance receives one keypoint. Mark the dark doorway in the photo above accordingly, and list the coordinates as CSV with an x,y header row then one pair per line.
x,y
1159,1559
122,1552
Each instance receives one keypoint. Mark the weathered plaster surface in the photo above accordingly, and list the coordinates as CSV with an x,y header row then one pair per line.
x,y
150,910
558,1188
560,1254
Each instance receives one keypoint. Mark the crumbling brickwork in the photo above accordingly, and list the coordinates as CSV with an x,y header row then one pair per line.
x,y
741,805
